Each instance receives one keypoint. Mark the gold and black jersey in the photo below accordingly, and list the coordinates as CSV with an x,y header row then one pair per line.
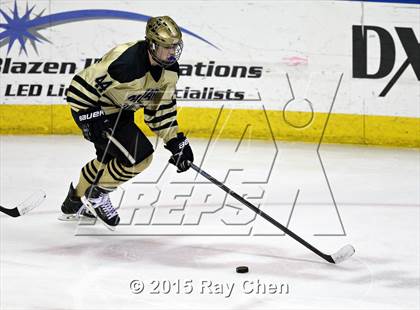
x,y
125,79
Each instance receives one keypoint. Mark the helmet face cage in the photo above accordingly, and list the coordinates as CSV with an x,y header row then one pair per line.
x,y
172,57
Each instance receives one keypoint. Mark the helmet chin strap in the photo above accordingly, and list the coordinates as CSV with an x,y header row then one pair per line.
x,y
159,61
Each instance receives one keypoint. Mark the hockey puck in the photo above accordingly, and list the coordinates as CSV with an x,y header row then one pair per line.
x,y
242,269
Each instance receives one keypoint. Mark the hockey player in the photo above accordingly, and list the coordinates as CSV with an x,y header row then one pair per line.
x,y
103,98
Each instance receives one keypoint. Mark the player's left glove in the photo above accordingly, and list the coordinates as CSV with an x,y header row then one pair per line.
x,y
181,152
94,124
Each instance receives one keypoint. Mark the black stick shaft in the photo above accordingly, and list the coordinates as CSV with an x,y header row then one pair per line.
x,y
11,212
263,214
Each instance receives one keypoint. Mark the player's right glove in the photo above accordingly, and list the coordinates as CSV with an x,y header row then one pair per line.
x,y
181,152
94,124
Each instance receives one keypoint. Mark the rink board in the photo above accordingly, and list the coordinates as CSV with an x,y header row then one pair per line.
x,y
353,63
236,124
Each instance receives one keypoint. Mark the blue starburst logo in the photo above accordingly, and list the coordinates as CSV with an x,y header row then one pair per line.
x,y
27,27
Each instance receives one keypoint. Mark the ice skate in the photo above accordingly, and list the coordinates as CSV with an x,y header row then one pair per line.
x,y
97,201
73,208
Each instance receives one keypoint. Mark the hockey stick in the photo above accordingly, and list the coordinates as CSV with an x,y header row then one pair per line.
x,y
341,255
27,205
121,148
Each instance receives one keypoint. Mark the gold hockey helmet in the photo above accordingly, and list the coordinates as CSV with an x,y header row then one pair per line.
x,y
162,31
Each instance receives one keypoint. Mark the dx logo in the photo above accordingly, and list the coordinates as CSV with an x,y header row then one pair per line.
x,y
387,54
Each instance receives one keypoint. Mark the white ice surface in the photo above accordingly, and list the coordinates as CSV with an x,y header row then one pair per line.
x,y
48,264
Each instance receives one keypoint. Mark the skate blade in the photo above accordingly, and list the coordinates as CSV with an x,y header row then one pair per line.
x,y
89,206
76,218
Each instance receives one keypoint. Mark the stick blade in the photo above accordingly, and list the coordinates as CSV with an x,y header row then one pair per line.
x,y
343,254
31,202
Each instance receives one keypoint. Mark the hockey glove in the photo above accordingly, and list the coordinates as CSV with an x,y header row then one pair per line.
x,y
94,124
181,152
